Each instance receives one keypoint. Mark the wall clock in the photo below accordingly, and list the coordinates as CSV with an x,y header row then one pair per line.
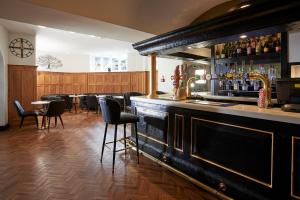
x,y
21,47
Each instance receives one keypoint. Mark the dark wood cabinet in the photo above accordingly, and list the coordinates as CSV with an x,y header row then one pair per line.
x,y
244,158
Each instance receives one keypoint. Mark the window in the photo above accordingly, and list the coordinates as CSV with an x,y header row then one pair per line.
x,y
201,74
106,64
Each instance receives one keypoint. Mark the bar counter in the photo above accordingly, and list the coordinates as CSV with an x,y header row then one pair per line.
x,y
244,110
235,150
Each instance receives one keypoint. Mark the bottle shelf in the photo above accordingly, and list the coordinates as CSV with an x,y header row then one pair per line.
x,y
264,58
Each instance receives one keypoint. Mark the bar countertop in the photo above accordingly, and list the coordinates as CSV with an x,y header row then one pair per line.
x,y
252,111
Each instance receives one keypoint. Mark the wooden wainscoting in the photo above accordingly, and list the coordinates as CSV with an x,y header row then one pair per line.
x,y
98,82
22,81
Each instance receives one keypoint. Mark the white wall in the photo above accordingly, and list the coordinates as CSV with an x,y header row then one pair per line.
x,y
14,60
294,46
166,67
71,62
137,62
81,63
3,76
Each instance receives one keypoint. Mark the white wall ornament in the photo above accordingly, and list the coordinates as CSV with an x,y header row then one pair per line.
x,y
48,62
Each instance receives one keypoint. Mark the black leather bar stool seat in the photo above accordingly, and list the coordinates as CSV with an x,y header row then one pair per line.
x,y
111,113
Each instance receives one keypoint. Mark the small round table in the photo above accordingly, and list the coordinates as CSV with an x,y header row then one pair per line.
x,y
75,101
41,103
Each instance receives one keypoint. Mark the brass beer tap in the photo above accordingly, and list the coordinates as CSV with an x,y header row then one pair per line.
x,y
188,89
266,85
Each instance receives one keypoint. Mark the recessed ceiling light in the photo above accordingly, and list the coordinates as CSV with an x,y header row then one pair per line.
x,y
245,6
41,26
243,36
189,47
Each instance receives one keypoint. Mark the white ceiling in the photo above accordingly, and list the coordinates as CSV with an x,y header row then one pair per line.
x,y
20,11
59,41
151,16
116,21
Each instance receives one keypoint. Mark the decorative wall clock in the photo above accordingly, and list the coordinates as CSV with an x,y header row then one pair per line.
x,y
21,47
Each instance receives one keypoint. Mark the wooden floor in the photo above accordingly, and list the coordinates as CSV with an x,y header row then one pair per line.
x,y
64,164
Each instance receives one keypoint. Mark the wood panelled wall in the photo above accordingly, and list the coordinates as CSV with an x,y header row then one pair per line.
x,y
98,82
22,81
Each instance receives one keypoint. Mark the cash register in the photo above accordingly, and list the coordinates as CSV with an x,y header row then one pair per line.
x,y
288,94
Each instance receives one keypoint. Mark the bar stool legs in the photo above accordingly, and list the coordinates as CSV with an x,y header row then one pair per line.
x,y
125,138
115,142
137,142
104,139
114,150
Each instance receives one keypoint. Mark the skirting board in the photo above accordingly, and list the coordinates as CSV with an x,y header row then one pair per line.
x,y
3,128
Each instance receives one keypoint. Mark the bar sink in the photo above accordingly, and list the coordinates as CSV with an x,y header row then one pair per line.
x,y
210,103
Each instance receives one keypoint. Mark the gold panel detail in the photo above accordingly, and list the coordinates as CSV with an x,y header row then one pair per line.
x,y
178,116
226,168
153,139
155,113
292,167
185,176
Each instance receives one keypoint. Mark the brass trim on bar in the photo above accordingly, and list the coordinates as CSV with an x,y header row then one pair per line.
x,y
270,185
149,111
292,167
174,135
185,176
153,139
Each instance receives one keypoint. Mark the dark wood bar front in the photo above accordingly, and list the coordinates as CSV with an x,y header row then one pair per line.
x,y
227,150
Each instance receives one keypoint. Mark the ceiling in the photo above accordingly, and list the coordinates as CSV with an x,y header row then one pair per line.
x,y
116,24
117,20
21,11
59,41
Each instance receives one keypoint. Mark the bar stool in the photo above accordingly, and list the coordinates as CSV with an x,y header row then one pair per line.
x,y
111,113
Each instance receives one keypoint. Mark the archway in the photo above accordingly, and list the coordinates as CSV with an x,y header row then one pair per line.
x,y
3,92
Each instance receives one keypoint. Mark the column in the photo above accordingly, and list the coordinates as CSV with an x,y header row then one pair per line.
x,y
153,81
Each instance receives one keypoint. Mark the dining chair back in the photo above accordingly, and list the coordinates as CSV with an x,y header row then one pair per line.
x,y
127,101
92,103
19,108
111,110
68,102
55,109
22,113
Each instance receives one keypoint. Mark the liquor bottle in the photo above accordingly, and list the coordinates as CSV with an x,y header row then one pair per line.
x,y
253,45
266,46
229,52
244,86
244,47
223,54
256,85
249,48
277,45
238,49
258,46
217,52
234,45
272,43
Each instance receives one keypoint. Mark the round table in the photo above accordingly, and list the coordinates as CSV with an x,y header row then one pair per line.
x,y
76,97
40,102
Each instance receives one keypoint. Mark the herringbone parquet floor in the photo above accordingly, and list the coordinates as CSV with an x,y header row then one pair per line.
x,y
64,164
